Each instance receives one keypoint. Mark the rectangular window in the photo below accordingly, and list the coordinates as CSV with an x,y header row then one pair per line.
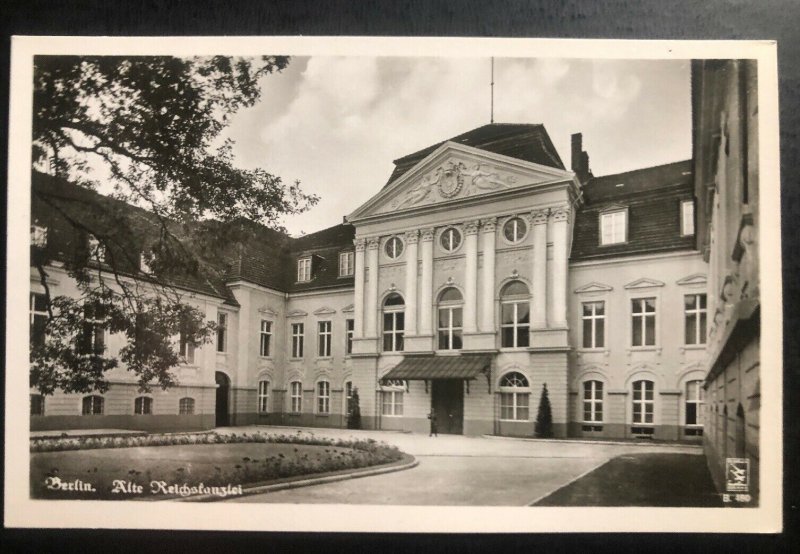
x,y
515,324
643,322
222,328
694,310
687,218
346,265
297,397
393,330
593,402
514,406
613,227
143,405
450,328
351,326
392,403
297,340
695,399
643,402
594,324
186,406
37,404
266,338
323,397
186,348
92,338
263,397
38,315
324,339
38,236
97,250
304,270
92,405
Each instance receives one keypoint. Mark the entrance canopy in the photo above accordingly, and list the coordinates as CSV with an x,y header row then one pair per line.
x,y
440,367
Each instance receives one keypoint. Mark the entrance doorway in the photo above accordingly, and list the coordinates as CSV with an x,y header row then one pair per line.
x,y
223,393
447,400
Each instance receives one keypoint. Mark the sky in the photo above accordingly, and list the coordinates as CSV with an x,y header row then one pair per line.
x,y
336,123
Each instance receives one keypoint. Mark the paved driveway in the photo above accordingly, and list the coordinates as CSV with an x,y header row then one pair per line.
x,y
458,470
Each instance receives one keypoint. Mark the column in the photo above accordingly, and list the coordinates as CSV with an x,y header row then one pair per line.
x,y
426,287
471,277
412,238
487,275
539,292
358,324
371,330
560,254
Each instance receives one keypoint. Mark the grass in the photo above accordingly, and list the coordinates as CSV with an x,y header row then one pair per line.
x,y
662,480
220,465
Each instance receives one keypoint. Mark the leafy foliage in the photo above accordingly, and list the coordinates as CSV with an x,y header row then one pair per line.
x,y
149,131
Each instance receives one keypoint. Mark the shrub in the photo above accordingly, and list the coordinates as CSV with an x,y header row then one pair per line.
x,y
544,418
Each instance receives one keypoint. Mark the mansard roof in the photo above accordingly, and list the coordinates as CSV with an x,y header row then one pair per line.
x,y
528,142
652,197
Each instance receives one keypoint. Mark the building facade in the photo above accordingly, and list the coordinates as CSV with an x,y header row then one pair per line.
x,y
483,272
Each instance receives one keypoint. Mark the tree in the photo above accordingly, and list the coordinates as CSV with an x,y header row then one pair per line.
x,y
354,411
544,417
149,130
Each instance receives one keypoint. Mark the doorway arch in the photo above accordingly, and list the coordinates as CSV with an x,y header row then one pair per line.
x,y
223,394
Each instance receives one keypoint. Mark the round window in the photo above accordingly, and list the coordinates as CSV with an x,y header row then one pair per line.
x,y
514,230
451,239
394,247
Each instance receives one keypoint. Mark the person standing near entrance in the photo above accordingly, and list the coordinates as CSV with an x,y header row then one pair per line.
x,y
434,428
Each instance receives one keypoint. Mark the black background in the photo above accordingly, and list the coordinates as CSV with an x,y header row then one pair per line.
x,y
668,19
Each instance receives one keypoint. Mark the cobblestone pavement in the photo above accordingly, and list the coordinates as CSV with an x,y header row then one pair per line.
x,y
458,470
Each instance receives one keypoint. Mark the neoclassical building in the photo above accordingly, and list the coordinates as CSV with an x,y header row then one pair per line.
x,y
483,271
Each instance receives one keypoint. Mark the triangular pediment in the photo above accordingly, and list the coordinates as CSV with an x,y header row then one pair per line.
x,y
644,283
267,311
349,309
297,313
613,208
325,311
593,287
456,172
696,279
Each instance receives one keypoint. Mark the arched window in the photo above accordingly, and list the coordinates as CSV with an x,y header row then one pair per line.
x,y
392,397
323,397
186,406
693,408
515,229
263,396
450,319
348,396
515,315
296,389
393,323
394,247
92,405
593,401
643,407
143,405
514,397
450,239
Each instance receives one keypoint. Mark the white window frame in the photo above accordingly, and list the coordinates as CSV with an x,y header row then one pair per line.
x,y
517,236
451,233
593,318
696,312
346,263
265,339
323,390
222,332
594,402
394,247
614,220
145,401
392,398
298,336
304,269
296,397
348,395
186,406
350,329
642,320
449,329
687,219
324,335
263,396
397,335
95,401
185,348
515,392
34,313
98,340
643,403
38,236
699,403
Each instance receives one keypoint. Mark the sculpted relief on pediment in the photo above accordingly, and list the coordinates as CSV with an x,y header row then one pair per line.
x,y
454,178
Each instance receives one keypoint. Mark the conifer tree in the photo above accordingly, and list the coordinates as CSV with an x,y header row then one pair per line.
x,y
544,417
354,411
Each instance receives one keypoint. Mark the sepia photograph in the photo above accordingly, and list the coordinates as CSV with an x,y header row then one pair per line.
x,y
395,277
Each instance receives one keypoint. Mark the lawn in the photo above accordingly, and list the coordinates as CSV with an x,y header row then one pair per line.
x,y
131,472
668,480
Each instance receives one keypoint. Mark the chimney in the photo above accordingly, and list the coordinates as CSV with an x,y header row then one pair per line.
x,y
580,159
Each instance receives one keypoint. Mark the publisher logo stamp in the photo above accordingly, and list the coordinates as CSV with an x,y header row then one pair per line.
x,y
737,475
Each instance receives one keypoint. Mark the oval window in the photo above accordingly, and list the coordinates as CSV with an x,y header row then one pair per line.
x,y
514,230
451,239
394,247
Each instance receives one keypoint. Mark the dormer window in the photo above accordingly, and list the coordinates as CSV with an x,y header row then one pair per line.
x,y
613,227
687,218
304,269
346,264
38,236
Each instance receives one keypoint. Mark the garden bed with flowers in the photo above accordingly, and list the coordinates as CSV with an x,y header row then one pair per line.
x,y
155,467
